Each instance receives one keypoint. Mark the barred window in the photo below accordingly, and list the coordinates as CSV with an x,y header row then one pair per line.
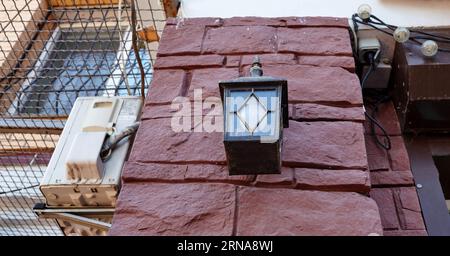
x,y
81,63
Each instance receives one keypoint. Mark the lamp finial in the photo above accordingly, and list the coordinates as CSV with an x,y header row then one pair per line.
x,y
256,69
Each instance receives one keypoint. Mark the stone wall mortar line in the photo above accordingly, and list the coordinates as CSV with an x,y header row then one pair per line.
x,y
236,211
186,84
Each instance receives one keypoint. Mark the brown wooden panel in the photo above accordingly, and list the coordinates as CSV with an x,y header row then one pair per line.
x,y
421,91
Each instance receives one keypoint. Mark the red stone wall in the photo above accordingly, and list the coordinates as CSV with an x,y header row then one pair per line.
x,y
178,183
392,181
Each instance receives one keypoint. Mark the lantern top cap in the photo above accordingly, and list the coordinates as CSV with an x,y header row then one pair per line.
x,y
257,81
256,69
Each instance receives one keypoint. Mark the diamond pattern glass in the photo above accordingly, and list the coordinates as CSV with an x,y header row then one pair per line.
x,y
252,113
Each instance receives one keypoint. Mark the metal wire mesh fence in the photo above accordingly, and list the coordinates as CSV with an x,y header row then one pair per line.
x,y
51,52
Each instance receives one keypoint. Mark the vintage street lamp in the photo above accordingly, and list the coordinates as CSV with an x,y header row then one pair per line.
x,y
255,111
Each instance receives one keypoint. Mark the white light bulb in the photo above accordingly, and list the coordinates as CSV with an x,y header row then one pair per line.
x,y
401,35
364,11
429,48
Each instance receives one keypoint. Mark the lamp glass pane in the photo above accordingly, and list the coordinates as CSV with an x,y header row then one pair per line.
x,y
237,99
268,98
252,112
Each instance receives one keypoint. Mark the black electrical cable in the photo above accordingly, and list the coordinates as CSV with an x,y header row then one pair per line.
x,y
392,27
372,118
366,76
354,35
112,142
373,26
370,58
387,142
380,22
432,38
426,36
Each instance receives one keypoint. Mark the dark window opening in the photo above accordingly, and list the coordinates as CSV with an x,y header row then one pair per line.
x,y
78,65
443,165
82,63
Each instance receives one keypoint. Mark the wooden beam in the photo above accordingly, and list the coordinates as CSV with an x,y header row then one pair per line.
x,y
66,3
32,125
18,30
148,34
431,196
27,142
171,7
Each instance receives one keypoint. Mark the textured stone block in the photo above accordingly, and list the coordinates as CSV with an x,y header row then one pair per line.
x,y
284,179
386,204
175,209
377,156
145,172
311,111
324,145
241,39
267,59
295,212
398,155
328,61
408,208
158,143
178,40
308,84
317,22
391,178
233,61
210,107
208,80
165,87
159,111
254,21
320,41
215,173
332,180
